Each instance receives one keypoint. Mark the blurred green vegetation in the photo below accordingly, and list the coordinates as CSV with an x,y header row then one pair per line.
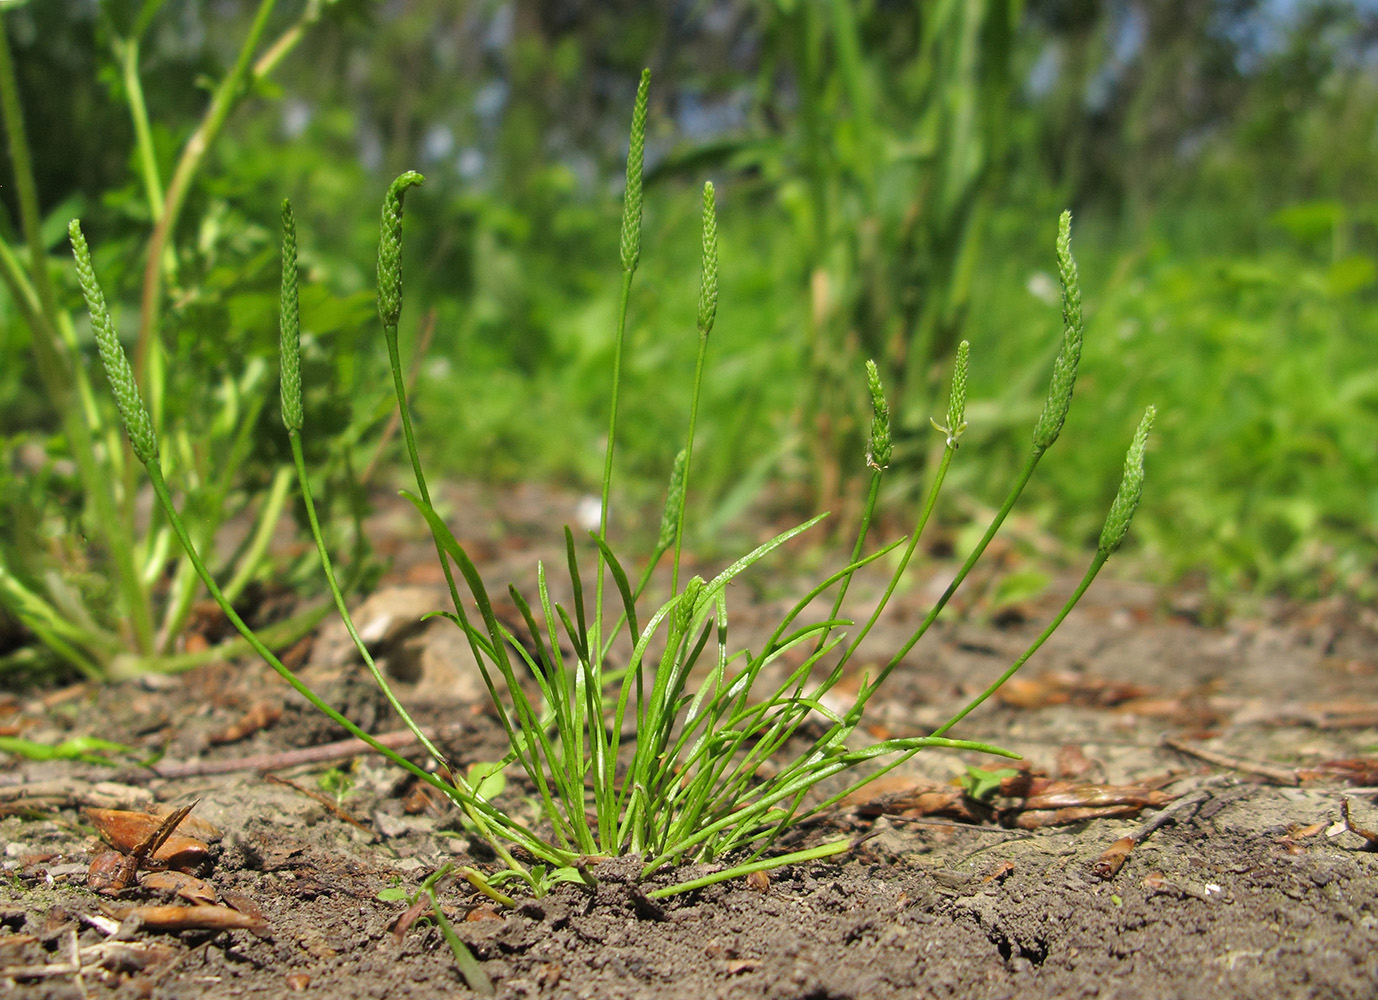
x,y
888,178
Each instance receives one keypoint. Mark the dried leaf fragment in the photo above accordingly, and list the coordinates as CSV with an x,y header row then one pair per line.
x,y
262,715
912,799
108,873
188,887
419,909
150,843
1059,688
1351,771
1066,794
124,829
1034,819
1369,835
1000,872
171,919
1110,862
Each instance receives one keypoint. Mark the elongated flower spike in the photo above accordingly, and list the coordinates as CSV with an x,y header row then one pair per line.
x,y
390,251
631,202
1049,424
137,423
290,326
957,399
708,290
674,502
878,455
1131,489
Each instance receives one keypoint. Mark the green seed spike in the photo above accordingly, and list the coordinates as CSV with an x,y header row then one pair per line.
x,y
878,455
290,326
708,290
957,398
117,369
390,250
1049,424
631,203
688,604
1131,489
674,502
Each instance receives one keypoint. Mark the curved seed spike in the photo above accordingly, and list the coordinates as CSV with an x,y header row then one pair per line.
x,y
1049,424
688,605
290,325
708,290
631,203
1131,489
117,369
390,250
878,455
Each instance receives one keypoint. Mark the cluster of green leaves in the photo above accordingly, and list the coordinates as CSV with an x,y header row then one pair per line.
x,y
692,785
95,582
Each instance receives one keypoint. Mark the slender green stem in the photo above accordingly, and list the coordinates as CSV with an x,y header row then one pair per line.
x,y
155,476
127,51
629,249
1091,572
962,573
477,809
867,513
688,458
898,574
624,299
327,566
708,311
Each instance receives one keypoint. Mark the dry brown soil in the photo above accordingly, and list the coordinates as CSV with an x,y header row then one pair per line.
x,y
1251,887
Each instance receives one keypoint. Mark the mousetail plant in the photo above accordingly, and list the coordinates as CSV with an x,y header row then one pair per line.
x,y
686,750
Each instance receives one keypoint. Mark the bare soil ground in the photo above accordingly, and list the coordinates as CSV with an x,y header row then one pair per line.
x,y
1223,753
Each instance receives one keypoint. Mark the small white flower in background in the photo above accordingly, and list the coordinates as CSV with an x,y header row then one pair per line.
x,y
588,511
1042,286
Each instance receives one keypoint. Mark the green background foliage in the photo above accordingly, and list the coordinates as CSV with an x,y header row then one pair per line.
x,y
886,175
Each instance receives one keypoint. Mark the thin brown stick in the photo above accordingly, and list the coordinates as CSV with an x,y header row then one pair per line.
x,y
1278,775
324,800
1109,863
401,739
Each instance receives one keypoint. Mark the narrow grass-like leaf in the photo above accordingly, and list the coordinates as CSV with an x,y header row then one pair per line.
x,y
464,958
576,583
624,587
